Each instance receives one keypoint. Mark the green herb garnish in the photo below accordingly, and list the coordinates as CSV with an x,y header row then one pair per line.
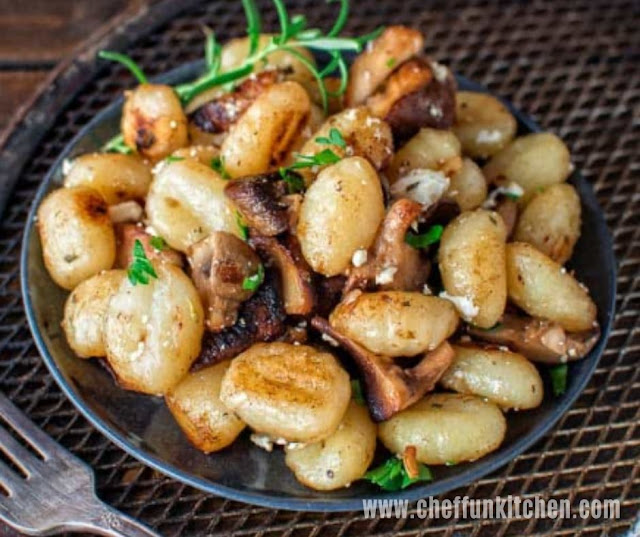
x,y
559,378
117,145
158,243
450,463
392,475
295,183
511,196
217,163
326,156
293,35
251,283
242,226
334,138
356,392
140,267
391,62
173,158
431,236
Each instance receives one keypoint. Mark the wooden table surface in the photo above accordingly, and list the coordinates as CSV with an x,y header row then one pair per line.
x,y
36,34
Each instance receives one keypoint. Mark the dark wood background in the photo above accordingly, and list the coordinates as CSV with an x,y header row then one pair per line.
x,y
36,34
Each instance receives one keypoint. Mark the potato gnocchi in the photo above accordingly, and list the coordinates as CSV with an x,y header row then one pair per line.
x,y
314,260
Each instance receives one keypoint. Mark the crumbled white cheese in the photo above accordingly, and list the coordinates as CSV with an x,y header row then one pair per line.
x,y
421,185
262,441
512,189
435,111
158,167
150,230
359,258
463,304
330,340
173,124
67,164
386,275
488,136
370,121
440,72
426,290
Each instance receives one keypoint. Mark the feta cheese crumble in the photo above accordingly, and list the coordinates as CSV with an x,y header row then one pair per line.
x,y
464,304
386,275
421,185
359,258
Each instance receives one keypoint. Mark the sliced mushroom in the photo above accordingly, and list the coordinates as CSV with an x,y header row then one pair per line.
x,y
126,236
432,105
541,341
405,267
218,115
259,199
328,293
295,273
507,208
388,387
392,48
261,318
219,265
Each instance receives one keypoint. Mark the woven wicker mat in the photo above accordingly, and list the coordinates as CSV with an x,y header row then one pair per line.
x,y
574,67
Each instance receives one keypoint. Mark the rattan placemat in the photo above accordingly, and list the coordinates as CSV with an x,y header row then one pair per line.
x,y
572,65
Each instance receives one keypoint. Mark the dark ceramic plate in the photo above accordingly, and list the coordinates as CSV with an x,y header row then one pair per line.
x,y
142,425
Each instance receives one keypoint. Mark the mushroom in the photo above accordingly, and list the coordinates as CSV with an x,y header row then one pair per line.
x,y
218,115
219,265
261,318
388,387
392,48
126,236
507,208
539,340
295,273
407,269
259,199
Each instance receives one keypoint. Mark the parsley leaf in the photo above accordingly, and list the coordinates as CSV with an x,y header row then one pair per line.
x,y
251,283
242,226
326,156
392,475
431,236
140,267
217,163
391,62
559,378
335,138
158,243
295,183
173,158
356,392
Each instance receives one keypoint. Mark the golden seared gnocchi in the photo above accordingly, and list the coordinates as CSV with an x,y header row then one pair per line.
x,y
293,392
551,222
543,288
446,428
345,196
339,459
196,406
483,124
153,332
84,312
263,135
272,211
395,323
186,202
430,149
472,265
467,186
153,122
363,134
76,234
506,378
116,177
533,162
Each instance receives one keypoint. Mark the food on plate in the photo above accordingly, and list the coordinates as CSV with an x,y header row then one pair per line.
x,y
311,256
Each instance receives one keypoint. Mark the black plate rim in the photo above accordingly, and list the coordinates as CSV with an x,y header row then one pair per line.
x,y
477,471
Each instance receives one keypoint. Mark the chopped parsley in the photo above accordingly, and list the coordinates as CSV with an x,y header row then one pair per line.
x,y
422,240
217,163
326,156
140,267
251,283
391,62
295,183
242,226
173,158
559,378
356,392
392,475
334,138
158,243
